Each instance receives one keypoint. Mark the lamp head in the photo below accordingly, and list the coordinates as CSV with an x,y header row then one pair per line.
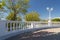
x,y
47,8
51,9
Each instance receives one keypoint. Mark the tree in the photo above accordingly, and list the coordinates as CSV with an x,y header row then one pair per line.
x,y
11,17
1,9
2,3
56,19
32,16
16,6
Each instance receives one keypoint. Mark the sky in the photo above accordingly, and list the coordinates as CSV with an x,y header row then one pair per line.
x,y
41,5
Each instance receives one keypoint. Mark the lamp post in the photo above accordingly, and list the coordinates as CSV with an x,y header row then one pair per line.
x,y
49,10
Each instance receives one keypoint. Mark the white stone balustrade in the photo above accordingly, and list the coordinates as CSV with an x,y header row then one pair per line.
x,y
11,26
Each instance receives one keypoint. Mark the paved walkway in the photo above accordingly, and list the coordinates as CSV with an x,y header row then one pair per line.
x,y
46,34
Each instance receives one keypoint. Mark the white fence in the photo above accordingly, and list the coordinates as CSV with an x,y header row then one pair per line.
x,y
16,25
9,26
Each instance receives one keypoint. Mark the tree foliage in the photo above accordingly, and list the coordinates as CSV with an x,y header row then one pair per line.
x,y
0,5
2,10
16,6
56,19
11,17
32,16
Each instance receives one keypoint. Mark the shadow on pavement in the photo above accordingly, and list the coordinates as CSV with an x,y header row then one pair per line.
x,y
42,35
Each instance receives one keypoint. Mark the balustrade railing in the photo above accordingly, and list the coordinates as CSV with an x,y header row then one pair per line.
x,y
10,28
19,25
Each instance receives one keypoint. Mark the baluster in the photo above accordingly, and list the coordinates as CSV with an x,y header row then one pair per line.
x,y
13,25
19,25
26,24
10,25
31,25
7,26
16,24
22,25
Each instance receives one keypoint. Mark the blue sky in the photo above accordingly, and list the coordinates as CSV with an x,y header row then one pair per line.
x,y
41,5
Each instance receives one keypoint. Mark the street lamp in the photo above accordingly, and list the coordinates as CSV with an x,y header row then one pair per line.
x,y
49,10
